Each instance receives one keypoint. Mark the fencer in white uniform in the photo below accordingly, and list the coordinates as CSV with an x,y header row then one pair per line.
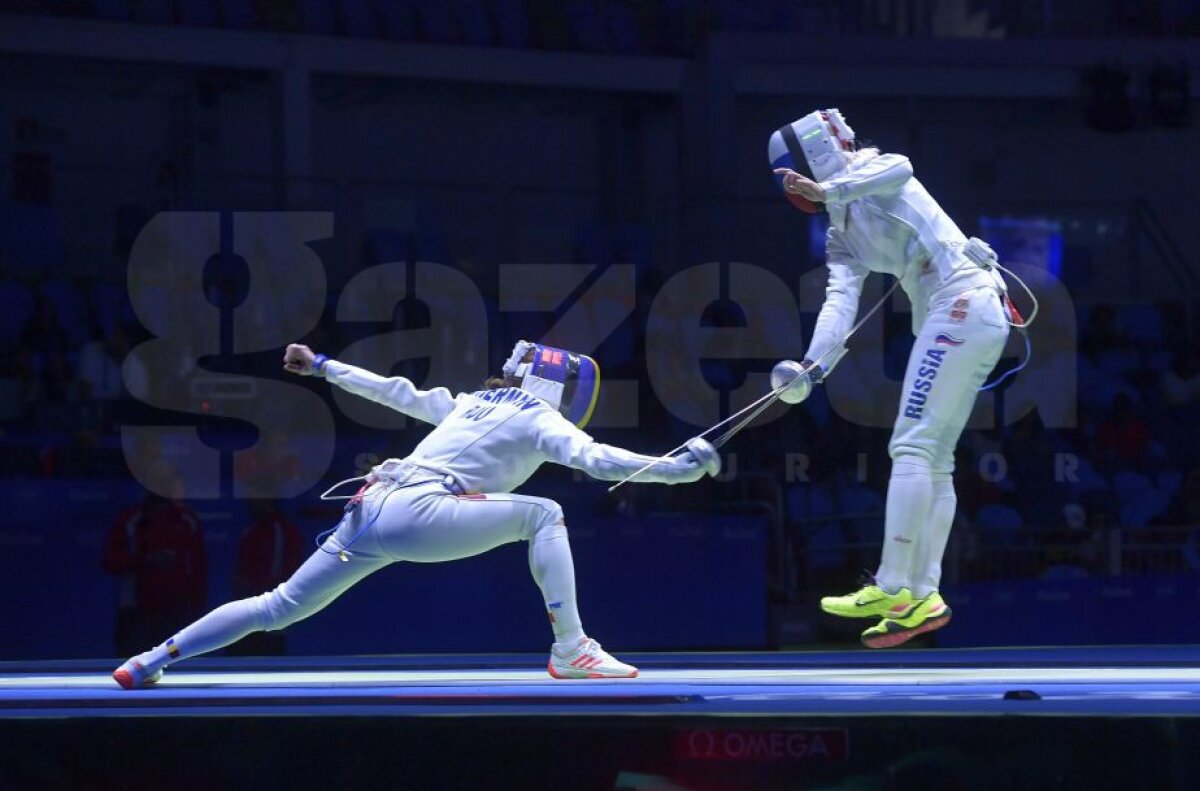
x,y
883,220
450,499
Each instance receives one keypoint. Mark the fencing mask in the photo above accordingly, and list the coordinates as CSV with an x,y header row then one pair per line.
x,y
817,146
567,381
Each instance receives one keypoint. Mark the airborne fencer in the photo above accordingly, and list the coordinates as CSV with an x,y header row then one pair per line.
x,y
450,499
881,219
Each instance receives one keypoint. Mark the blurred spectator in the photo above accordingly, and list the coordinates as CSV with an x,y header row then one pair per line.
x,y
157,549
262,469
269,550
40,362
1123,438
1181,382
1074,518
1075,548
1000,523
1103,332
101,377
1027,451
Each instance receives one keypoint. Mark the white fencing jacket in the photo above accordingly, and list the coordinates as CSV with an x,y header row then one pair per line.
x,y
494,440
883,220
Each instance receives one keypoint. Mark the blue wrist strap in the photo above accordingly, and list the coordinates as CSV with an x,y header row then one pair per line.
x,y
319,362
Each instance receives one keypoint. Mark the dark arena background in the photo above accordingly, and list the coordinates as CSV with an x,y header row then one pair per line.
x,y
411,186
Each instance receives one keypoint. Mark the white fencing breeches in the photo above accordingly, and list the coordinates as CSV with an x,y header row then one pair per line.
x,y
422,524
956,349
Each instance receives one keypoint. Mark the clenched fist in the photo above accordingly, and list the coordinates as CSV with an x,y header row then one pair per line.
x,y
299,359
705,455
797,184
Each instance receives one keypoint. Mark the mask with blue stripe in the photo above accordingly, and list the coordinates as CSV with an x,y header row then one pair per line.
x,y
567,381
818,146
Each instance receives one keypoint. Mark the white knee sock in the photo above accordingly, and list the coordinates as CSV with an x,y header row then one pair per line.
x,y
909,497
554,571
224,625
926,572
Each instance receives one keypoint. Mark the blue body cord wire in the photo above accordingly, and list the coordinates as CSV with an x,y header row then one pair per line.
x,y
1018,369
320,539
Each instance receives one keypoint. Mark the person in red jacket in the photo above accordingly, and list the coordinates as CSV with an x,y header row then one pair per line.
x,y
269,550
157,548
1123,438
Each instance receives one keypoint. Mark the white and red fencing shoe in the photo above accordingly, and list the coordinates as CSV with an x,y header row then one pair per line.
x,y
588,660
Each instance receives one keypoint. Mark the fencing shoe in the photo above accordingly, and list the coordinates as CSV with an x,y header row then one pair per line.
x,y
870,601
587,660
925,615
133,675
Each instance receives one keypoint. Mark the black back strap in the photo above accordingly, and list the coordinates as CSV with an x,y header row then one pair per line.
x,y
793,146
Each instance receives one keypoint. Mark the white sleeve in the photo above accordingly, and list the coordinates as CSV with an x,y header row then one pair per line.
x,y
564,444
837,315
395,392
884,173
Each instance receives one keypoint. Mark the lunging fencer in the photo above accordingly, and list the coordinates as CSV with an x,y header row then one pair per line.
x,y
881,219
450,499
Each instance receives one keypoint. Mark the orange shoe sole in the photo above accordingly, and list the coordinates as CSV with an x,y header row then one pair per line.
x,y
893,639
125,679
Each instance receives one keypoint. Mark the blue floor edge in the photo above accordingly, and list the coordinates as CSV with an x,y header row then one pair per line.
x,y
1107,684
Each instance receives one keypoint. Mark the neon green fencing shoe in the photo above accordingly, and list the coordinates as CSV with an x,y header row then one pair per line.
x,y
927,614
869,602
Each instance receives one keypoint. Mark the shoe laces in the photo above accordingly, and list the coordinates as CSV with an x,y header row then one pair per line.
x,y
586,647
591,646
